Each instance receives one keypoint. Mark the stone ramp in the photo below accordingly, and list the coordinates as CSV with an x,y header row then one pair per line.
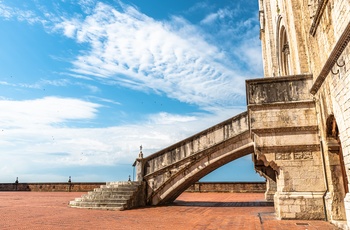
x,y
112,196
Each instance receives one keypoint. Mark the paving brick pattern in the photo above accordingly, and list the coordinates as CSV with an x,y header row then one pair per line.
x,y
49,210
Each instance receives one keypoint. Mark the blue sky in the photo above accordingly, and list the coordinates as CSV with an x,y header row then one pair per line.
x,y
84,83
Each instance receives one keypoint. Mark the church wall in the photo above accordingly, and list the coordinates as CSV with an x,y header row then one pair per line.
x,y
309,51
334,98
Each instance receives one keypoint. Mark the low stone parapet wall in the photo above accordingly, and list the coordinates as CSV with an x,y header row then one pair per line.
x,y
255,187
237,187
51,187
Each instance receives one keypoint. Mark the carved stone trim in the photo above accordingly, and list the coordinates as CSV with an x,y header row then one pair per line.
x,y
319,12
287,105
267,163
283,156
289,148
306,155
332,59
286,129
288,78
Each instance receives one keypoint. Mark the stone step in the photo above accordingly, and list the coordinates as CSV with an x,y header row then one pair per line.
x,y
90,204
102,208
119,186
102,200
123,189
114,196
119,183
110,193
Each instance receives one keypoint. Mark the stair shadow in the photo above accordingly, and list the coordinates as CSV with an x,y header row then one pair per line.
x,y
223,204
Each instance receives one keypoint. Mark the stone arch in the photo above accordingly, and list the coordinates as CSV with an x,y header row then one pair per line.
x,y
195,173
169,172
334,146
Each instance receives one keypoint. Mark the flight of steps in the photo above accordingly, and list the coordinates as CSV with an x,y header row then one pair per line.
x,y
112,196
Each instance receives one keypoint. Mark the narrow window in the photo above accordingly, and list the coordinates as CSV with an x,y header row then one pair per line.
x,y
284,52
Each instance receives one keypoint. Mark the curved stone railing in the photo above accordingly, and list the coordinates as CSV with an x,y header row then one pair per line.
x,y
172,170
196,143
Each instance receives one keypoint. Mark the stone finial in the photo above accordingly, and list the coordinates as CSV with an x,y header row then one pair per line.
x,y
70,179
16,180
140,154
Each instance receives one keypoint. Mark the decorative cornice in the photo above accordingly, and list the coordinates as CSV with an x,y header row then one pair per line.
x,y
332,59
288,148
286,129
288,105
320,9
279,79
267,163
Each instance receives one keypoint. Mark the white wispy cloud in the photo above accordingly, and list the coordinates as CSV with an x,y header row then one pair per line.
x,y
43,83
166,118
20,14
170,57
44,112
220,14
173,57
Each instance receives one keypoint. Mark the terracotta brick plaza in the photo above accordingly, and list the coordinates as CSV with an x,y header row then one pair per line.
x,y
49,210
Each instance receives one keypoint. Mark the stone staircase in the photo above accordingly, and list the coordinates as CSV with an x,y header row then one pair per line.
x,y
113,196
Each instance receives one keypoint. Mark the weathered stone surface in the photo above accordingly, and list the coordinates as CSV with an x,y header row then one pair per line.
x,y
317,34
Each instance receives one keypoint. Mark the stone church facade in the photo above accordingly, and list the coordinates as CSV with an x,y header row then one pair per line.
x,y
300,111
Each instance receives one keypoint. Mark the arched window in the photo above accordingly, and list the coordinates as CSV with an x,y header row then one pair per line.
x,y
284,64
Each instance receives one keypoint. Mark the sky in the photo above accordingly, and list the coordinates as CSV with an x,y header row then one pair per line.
x,y
84,83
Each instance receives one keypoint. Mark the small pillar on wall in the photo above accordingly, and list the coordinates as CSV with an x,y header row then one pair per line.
x,y
139,163
271,188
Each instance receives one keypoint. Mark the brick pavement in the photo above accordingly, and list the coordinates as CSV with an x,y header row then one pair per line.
x,y
49,210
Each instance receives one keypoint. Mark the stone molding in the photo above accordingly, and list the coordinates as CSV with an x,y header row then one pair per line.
x,y
332,59
272,164
303,155
282,105
298,195
285,129
289,148
279,78
317,18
